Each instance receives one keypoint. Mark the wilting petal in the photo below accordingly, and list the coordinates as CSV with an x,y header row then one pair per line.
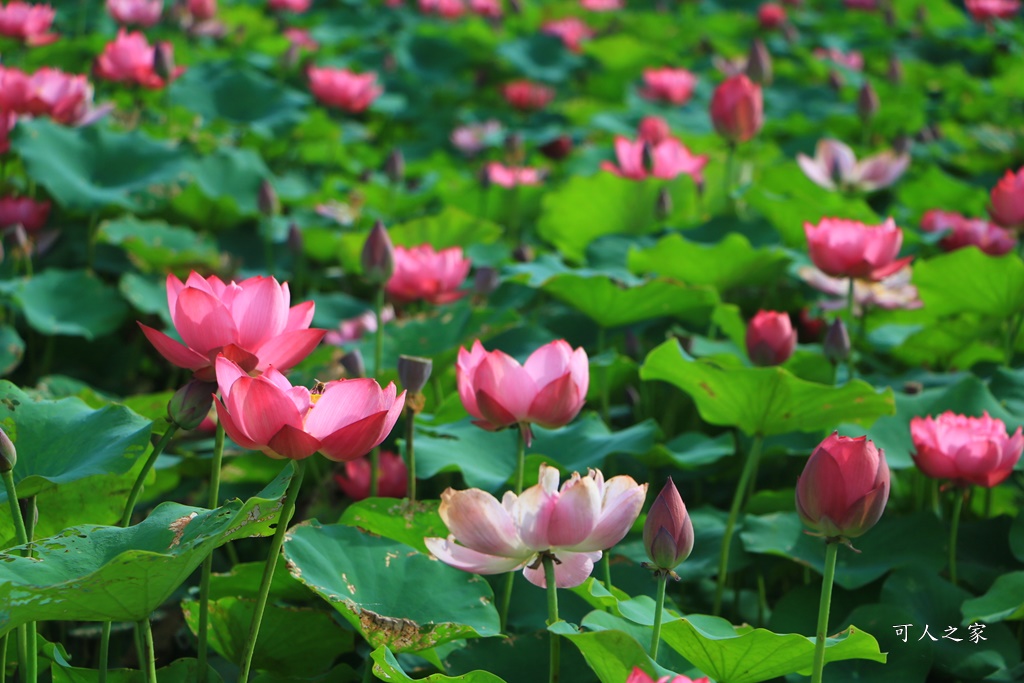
x,y
481,523
468,560
571,570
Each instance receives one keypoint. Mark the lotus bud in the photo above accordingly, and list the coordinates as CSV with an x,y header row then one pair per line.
x,y
867,102
353,364
647,158
378,257
8,453
523,253
663,204
163,60
484,178
394,166
837,342
668,531
266,199
516,6
295,241
558,148
759,63
413,372
191,404
485,280
895,73
770,338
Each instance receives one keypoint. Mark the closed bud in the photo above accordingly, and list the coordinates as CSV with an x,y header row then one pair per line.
x,y
759,63
378,257
770,339
8,453
353,364
191,404
895,73
790,33
663,204
163,60
266,199
668,531
485,280
516,6
290,58
295,241
413,372
523,253
867,102
558,148
394,166
837,342
737,109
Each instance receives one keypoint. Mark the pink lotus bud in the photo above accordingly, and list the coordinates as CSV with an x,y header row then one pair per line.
x,y
23,211
378,257
668,532
987,10
759,63
295,240
527,95
191,404
771,338
266,199
1007,200
737,109
965,450
413,372
393,482
844,487
653,130
8,453
837,342
486,280
344,89
867,102
353,364
845,248
639,676
202,10
771,16
394,166
669,85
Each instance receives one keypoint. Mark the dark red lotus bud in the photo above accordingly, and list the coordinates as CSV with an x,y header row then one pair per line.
x,y
378,257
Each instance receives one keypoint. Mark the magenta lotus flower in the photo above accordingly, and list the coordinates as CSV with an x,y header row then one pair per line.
x,y
250,322
737,109
770,339
129,59
549,389
139,12
486,8
601,5
638,676
572,31
423,274
845,248
668,531
668,159
574,523
202,10
344,89
448,9
293,6
393,483
345,421
527,95
844,487
965,450
771,15
987,10
968,232
674,86
28,23
653,130
24,211
1007,200
511,176
890,293
835,167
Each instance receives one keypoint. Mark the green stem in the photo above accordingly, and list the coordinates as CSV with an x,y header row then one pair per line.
x,y
520,462
606,564
148,650
104,651
729,161
605,379
204,581
378,361
954,529
549,579
410,453
659,608
268,245
749,467
31,629
26,655
133,497
287,508
3,659
506,600
831,550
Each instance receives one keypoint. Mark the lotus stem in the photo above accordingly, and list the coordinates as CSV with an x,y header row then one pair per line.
x,y
606,564
133,497
287,509
954,529
659,607
552,588
3,658
26,632
605,379
520,460
378,361
749,467
207,570
831,550
148,650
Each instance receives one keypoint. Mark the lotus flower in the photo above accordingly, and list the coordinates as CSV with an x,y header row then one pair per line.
x,y
24,211
835,167
249,322
987,10
129,59
638,676
575,523
601,5
674,86
668,531
202,10
393,481
1007,200
144,13
968,232
471,138
668,160
486,8
293,6
421,273
511,176
354,328
845,248
892,292
449,9
343,422
344,89
965,450
653,130
771,15
527,95
737,109
771,338
571,31
28,23
852,60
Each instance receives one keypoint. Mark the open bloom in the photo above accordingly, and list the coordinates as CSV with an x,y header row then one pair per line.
x,y
967,232
473,137
653,130
892,292
129,59
24,211
852,60
347,419
845,248
571,31
737,108
511,176
549,389
393,482
449,9
844,487
250,322
674,86
771,338
421,273
1007,200
140,12
574,523
601,5
965,450
987,10
486,8
638,676
344,89
668,531
293,6
353,329
28,23
835,167
668,159
527,95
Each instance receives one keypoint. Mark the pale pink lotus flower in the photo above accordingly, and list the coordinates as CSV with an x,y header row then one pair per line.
x,y
293,6
28,23
353,329
129,59
344,421
602,5
852,60
846,248
865,5
1006,202
987,10
572,31
965,450
423,274
667,84
66,98
638,676
511,176
473,137
834,167
486,8
250,322
449,9
668,159
344,89
143,13
892,292
968,232
300,38
575,523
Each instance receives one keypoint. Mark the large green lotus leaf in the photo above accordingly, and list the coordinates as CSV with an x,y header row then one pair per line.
x,y
746,655
90,169
1017,537
99,573
231,177
277,649
156,246
612,655
692,450
333,307
764,401
70,302
63,441
934,189
181,671
727,264
611,305
915,541
399,520
243,581
378,586
235,93
540,57
146,294
1004,601
387,668
12,349
970,281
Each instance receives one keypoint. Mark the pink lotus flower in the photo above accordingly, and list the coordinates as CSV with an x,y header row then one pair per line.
x,y
393,482
852,60
965,450
653,130
844,487
7,121
424,274
864,5
771,16
202,10
250,322
892,292
674,86
1007,200
66,98
638,676
129,59
24,211
968,232
353,329
511,176
266,413
473,137
344,89
15,91
527,95
835,167
449,9
300,38
668,531
28,23
737,109
845,248
139,12
571,31
549,389
987,10
668,160
575,523
771,338
293,6
601,5
486,8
